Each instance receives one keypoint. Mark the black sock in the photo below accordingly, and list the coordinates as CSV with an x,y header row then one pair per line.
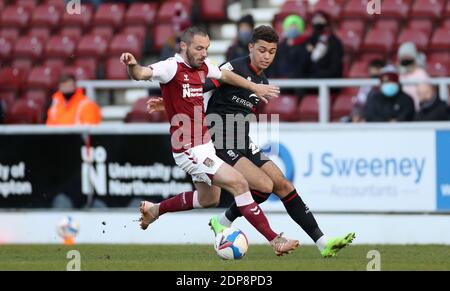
x,y
301,214
233,211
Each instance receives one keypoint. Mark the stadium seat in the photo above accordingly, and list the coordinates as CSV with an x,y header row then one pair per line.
x,y
10,33
92,45
43,33
299,7
446,23
15,16
359,69
356,9
80,72
171,9
141,14
138,113
285,106
447,11
396,9
342,107
82,20
71,31
60,5
438,56
7,98
24,64
109,14
331,7
139,31
40,97
46,16
60,47
89,64
350,39
160,35
378,40
28,47
431,9
213,10
57,64
391,25
6,47
424,25
12,79
106,32
440,39
125,43
438,68
29,5
24,111
308,110
42,77
115,70
355,25
418,37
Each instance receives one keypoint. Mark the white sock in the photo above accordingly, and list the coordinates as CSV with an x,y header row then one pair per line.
x,y
195,203
244,199
224,220
322,242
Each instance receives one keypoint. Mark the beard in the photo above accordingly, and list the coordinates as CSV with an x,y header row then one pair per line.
x,y
192,60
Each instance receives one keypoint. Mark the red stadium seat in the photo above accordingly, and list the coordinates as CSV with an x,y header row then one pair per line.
x,y
438,56
7,98
47,16
42,77
10,33
29,5
6,47
58,4
106,32
40,97
15,16
419,38
342,107
397,9
285,106
350,39
441,39
309,109
109,14
359,69
24,64
299,7
213,10
379,40
60,47
391,25
139,31
446,23
89,64
138,113
447,11
368,57
438,68
171,9
12,79
71,31
57,64
115,70
355,25
28,47
356,9
92,46
82,20
79,72
24,111
141,14
43,33
427,9
126,43
331,7
424,25
161,33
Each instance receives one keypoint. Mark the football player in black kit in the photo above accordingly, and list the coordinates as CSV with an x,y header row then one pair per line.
x,y
263,176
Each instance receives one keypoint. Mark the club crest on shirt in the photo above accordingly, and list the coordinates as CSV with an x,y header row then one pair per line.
x,y
208,162
201,74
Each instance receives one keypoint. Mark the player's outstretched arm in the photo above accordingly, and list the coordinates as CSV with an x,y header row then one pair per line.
x,y
155,104
261,90
136,71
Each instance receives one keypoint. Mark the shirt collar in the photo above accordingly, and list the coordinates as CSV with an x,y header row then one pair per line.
x,y
180,59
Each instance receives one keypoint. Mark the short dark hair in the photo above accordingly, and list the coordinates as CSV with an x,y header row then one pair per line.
x,y
265,33
190,32
247,19
377,63
67,77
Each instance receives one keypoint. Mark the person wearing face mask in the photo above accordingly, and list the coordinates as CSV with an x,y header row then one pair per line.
x,y
325,49
71,107
291,58
410,61
432,108
390,103
239,48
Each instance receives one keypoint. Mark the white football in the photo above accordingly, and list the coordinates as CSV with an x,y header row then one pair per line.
x,y
231,244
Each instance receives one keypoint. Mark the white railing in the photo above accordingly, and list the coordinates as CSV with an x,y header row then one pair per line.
x,y
323,85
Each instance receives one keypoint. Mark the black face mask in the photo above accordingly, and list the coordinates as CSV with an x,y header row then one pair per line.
x,y
405,63
319,28
374,76
67,96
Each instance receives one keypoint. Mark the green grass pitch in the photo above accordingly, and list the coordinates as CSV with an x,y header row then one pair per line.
x,y
202,257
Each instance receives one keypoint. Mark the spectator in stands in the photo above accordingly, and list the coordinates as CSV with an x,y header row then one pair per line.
x,y
325,49
71,107
239,48
291,58
432,108
360,100
409,62
180,22
390,103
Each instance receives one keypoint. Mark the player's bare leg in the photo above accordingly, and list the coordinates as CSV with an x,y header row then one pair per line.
x,y
231,180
